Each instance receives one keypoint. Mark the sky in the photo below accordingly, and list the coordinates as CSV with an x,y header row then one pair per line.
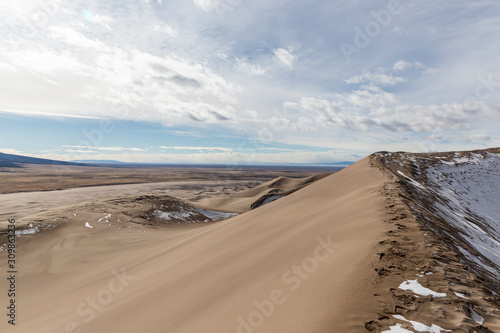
x,y
240,81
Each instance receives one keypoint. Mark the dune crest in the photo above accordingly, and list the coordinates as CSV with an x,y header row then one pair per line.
x,y
456,196
440,241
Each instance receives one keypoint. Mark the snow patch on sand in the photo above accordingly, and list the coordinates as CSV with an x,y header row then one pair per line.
x,y
29,231
397,329
419,327
192,215
88,225
417,288
178,215
214,215
107,216
475,316
412,181
460,295
271,199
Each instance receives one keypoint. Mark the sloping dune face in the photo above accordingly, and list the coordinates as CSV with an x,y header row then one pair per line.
x,y
300,264
260,195
457,195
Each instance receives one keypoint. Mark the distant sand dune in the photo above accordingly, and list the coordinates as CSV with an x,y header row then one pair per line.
x,y
250,199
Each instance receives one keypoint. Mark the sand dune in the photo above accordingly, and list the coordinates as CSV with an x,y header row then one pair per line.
x,y
258,196
343,254
300,264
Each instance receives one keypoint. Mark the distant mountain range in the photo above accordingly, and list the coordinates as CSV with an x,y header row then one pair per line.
x,y
343,163
99,161
15,161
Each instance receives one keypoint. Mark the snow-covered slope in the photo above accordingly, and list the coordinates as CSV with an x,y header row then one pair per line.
x,y
456,195
191,215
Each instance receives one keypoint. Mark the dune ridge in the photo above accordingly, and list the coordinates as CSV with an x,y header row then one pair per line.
x,y
456,195
428,244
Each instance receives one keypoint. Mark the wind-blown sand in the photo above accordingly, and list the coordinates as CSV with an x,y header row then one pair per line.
x,y
331,257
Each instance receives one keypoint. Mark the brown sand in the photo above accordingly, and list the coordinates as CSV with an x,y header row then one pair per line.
x,y
244,201
20,205
208,279
268,270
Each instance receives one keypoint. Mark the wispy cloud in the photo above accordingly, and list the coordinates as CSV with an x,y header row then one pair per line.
x,y
285,57
206,5
252,69
11,151
402,65
48,114
367,110
379,78
97,148
385,76
476,138
205,149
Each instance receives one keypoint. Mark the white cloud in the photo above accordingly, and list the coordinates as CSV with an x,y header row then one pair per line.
x,y
80,151
378,78
7,67
10,151
476,138
372,110
48,114
386,76
251,69
89,149
402,65
285,57
152,88
105,21
72,37
39,59
211,149
118,149
166,29
206,5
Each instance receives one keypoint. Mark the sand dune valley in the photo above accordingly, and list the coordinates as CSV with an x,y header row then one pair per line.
x,y
396,242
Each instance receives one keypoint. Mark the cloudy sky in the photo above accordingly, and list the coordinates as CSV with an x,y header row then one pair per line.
x,y
240,81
